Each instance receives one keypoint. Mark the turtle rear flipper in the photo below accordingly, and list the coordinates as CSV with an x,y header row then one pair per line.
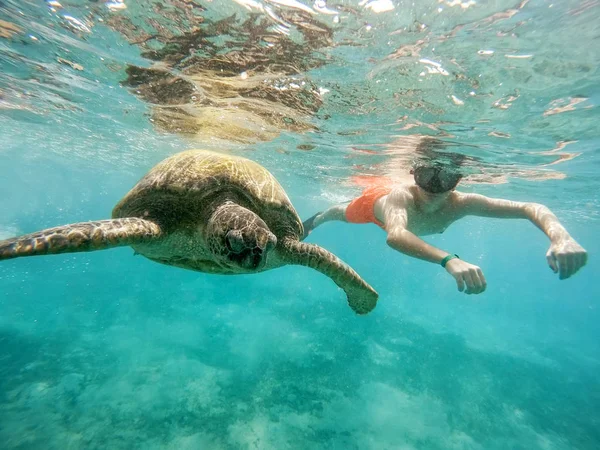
x,y
362,298
81,237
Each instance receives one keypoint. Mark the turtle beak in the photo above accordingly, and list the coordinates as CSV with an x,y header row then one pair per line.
x,y
250,258
250,254
256,259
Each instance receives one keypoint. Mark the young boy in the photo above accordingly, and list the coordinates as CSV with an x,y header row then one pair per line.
x,y
430,205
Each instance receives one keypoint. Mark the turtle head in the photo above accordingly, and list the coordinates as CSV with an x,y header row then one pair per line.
x,y
238,238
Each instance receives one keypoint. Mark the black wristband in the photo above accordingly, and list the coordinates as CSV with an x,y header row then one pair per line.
x,y
444,261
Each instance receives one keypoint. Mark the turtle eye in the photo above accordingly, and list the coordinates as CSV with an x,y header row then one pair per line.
x,y
271,242
235,241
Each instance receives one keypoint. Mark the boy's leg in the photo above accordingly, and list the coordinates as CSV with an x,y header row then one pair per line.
x,y
336,212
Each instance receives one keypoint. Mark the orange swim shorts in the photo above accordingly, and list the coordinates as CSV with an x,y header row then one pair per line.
x,y
361,209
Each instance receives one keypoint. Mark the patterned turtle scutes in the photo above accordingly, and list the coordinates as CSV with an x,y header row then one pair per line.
x,y
185,188
207,172
80,237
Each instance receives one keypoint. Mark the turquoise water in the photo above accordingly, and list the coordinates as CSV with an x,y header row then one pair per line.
x,y
105,350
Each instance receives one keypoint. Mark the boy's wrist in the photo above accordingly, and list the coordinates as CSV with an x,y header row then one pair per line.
x,y
559,236
448,258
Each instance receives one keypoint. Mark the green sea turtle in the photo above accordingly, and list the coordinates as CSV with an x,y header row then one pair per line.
x,y
203,211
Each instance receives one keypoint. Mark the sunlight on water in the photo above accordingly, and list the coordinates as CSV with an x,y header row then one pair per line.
x,y
111,350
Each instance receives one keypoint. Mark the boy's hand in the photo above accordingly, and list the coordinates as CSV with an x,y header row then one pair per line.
x,y
566,257
467,275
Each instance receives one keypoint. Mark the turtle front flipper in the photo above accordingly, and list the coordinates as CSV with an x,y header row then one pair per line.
x,y
81,237
362,298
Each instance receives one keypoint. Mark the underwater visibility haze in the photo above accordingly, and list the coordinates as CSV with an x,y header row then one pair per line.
x,y
109,350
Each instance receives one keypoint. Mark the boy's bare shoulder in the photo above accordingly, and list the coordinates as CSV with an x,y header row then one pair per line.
x,y
402,192
464,198
402,195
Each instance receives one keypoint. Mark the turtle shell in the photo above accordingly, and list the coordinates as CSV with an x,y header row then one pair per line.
x,y
183,190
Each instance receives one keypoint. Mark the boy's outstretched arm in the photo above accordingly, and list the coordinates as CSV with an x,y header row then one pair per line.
x,y
469,277
336,212
565,256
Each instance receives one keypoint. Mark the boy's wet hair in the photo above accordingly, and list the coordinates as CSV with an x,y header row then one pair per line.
x,y
437,171
432,152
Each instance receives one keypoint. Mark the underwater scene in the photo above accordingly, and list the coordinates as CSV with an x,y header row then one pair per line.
x,y
287,224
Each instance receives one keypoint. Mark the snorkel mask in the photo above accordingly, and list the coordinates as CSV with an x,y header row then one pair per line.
x,y
436,179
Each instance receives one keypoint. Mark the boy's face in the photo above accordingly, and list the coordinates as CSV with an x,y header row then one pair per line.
x,y
436,180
